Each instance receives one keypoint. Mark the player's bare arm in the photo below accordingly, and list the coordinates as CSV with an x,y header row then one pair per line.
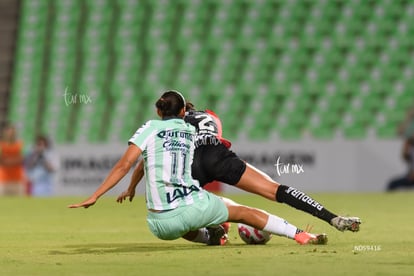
x,y
120,169
135,179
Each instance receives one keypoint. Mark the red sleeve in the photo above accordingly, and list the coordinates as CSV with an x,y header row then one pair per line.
x,y
217,120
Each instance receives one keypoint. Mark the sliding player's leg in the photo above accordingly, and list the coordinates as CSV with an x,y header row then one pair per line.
x,y
256,181
215,235
216,162
262,220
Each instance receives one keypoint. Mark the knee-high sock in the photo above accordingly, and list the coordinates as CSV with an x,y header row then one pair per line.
x,y
303,202
280,227
202,236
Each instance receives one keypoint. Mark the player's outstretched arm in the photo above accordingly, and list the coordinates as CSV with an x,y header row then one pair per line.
x,y
120,169
135,179
86,204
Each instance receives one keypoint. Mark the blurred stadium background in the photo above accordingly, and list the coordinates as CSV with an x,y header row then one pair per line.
x,y
325,84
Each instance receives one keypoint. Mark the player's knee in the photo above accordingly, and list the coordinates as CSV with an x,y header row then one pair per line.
x,y
240,213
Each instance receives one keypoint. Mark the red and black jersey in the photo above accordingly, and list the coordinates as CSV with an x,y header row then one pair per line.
x,y
213,160
207,124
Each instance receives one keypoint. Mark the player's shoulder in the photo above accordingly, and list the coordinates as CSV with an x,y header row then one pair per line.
x,y
176,123
193,113
211,112
197,115
155,123
148,126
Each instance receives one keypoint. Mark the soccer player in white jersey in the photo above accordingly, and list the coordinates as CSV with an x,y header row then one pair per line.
x,y
177,205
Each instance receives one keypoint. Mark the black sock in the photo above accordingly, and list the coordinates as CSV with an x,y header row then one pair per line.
x,y
303,202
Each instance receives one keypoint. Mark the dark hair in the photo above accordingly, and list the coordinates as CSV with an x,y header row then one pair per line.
x,y
189,106
44,139
170,103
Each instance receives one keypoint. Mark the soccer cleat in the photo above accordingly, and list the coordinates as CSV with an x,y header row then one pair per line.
x,y
308,238
217,235
224,239
346,223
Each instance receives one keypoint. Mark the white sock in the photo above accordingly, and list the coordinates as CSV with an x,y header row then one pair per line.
x,y
280,227
202,236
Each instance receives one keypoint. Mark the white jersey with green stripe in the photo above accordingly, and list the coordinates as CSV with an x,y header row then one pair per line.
x,y
168,148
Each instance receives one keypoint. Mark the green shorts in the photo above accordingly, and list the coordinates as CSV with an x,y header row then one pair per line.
x,y
173,224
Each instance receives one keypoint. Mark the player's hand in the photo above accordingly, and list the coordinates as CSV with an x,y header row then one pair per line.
x,y
86,204
126,194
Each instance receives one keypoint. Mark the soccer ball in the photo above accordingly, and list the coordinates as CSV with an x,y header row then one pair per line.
x,y
251,235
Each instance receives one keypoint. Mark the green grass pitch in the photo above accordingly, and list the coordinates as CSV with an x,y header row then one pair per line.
x,y
43,237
